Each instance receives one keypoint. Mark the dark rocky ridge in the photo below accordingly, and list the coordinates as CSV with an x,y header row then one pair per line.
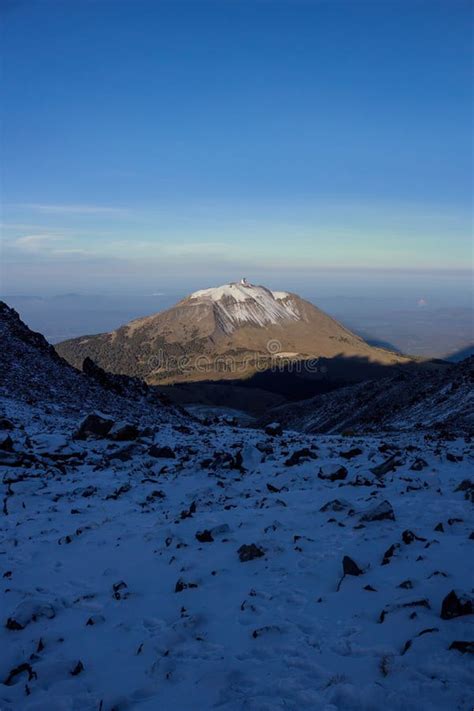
x,y
31,371
426,397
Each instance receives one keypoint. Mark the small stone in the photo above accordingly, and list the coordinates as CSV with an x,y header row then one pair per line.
x,y
334,473
124,432
389,465
389,553
350,567
249,552
301,455
161,452
455,605
120,590
351,453
78,669
462,646
204,536
274,429
94,426
335,505
181,585
418,465
408,537
380,512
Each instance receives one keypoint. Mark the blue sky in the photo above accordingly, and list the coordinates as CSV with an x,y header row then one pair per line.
x,y
150,142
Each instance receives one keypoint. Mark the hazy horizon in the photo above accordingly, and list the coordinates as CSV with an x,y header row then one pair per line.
x,y
423,315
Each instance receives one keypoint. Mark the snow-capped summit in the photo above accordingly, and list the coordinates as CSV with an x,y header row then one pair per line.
x,y
240,303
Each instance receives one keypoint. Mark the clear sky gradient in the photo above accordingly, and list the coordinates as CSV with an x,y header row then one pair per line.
x,y
150,142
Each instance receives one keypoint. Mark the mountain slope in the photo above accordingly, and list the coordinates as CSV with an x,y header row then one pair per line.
x,y
31,371
422,398
225,332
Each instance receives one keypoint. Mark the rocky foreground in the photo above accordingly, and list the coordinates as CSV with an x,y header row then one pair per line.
x,y
184,566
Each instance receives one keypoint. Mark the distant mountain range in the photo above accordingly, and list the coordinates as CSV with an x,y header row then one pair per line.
x,y
228,332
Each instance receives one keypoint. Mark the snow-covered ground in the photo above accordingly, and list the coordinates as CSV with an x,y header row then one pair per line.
x,y
123,585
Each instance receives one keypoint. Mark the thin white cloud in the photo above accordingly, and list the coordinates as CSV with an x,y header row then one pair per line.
x,y
75,209
37,243
196,249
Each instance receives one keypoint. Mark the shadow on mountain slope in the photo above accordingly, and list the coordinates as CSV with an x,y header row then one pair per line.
x,y
458,356
293,382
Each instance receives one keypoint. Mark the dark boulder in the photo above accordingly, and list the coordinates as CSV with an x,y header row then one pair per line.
x,y
204,536
455,605
161,452
249,552
380,512
350,567
351,453
274,429
299,456
462,646
334,473
124,432
94,426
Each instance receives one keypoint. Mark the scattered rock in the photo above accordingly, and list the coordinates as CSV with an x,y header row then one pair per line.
x,y
6,443
204,536
389,553
299,456
187,513
333,473
77,669
335,505
24,668
389,465
351,453
94,426
462,646
124,432
455,605
418,465
350,567
161,452
380,512
408,537
29,611
120,590
400,606
249,552
274,429
181,585
124,489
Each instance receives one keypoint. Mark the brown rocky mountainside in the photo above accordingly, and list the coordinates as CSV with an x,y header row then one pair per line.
x,y
228,332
